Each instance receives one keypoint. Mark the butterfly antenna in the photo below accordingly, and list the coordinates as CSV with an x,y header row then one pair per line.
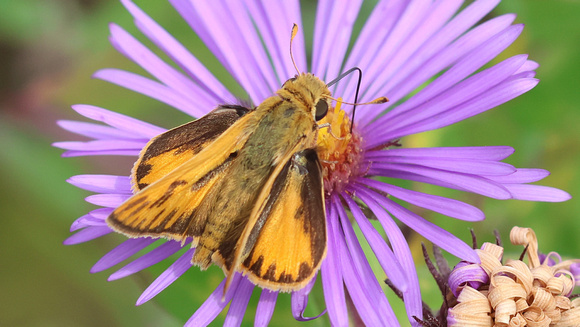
x,y
294,32
334,81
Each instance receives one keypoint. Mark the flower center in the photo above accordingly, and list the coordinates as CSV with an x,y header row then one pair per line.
x,y
339,150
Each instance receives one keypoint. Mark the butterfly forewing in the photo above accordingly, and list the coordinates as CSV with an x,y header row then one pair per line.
x,y
287,242
173,148
166,208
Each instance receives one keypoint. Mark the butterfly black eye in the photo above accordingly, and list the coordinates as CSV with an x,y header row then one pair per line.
x,y
321,109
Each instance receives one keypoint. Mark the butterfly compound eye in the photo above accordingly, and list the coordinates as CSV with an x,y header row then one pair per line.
x,y
321,109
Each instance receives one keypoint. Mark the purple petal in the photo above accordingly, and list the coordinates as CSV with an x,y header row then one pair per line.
x,y
130,47
466,182
107,200
412,297
178,53
329,48
265,308
273,19
522,175
123,251
171,274
368,299
436,15
437,54
87,234
332,283
384,254
95,131
430,231
122,122
214,304
157,255
100,145
467,166
73,153
156,91
93,218
239,303
215,25
477,152
442,205
471,274
492,98
300,301
102,183
537,193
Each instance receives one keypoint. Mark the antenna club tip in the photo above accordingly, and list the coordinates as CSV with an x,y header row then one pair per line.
x,y
294,30
381,100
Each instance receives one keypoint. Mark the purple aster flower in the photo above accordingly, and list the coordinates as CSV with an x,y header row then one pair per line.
x,y
402,46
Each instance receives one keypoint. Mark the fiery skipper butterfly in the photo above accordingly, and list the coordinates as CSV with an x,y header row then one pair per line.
x,y
244,184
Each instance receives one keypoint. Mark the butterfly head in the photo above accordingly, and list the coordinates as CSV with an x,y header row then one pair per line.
x,y
312,92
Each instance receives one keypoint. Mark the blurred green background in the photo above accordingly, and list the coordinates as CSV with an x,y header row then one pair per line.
x,y
50,48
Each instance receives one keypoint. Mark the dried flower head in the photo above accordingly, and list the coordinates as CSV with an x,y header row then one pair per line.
x,y
537,293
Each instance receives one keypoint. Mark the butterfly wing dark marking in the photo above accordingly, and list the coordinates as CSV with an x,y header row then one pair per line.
x,y
166,207
287,242
173,148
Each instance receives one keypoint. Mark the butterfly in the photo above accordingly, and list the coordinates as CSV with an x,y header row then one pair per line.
x,y
244,184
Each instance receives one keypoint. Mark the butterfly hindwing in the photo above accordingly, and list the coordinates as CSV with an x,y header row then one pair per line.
x,y
166,207
287,241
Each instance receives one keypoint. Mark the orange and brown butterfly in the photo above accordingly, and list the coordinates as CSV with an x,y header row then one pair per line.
x,y
244,184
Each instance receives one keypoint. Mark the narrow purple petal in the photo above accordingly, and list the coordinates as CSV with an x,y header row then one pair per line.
x,y
384,254
437,54
122,252
537,193
239,303
217,29
107,200
265,308
130,47
449,90
274,19
477,152
100,145
464,273
214,304
155,90
157,255
448,207
178,268
332,282
86,221
412,297
300,301
522,175
122,122
414,12
102,183
74,153
329,50
430,231
467,166
178,53
368,297
87,234
94,218
467,182
95,131
436,16
492,98
530,65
